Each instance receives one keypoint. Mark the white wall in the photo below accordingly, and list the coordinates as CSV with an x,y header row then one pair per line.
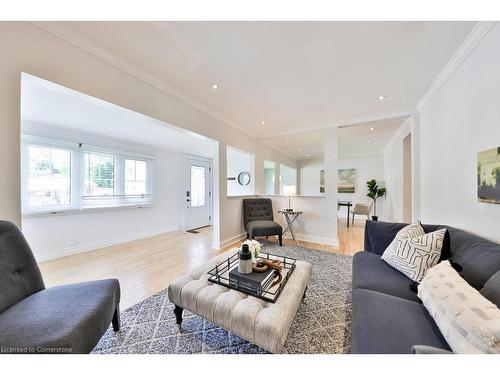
x,y
367,167
319,221
462,119
309,176
52,236
393,173
27,48
238,162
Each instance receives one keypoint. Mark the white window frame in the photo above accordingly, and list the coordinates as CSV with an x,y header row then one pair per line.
x,y
80,202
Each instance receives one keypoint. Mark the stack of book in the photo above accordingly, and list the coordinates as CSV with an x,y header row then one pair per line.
x,y
251,283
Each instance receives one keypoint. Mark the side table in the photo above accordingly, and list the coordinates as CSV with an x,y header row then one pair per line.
x,y
290,217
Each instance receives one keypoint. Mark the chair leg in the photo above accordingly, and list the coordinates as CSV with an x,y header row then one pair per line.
x,y
116,319
353,219
280,237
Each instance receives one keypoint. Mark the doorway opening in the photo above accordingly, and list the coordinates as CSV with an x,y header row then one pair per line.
x,y
96,175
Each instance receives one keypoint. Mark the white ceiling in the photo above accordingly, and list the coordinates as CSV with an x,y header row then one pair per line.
x,y
45,102
359,139
352,140
295,76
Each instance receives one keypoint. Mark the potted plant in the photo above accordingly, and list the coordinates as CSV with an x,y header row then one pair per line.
x,y
375,192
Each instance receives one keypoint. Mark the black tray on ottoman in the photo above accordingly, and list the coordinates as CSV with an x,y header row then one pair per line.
x,y
226,274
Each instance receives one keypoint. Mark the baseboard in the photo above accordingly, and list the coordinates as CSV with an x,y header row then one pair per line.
x,y
222,244
83,248
315,239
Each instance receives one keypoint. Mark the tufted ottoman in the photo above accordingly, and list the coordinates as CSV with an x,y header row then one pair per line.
x,y
263,323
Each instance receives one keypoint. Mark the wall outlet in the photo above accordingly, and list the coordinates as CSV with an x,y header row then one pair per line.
x,y
71,241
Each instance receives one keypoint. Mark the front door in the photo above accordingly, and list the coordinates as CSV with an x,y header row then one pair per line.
x,y
197,193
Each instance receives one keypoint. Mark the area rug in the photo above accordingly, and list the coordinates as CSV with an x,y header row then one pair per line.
x,y
322,324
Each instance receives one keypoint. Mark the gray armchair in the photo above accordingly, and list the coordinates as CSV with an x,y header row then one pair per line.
x,y
258,219
63,319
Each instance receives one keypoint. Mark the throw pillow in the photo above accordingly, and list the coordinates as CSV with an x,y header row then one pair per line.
x,y
412,230
468,321
413,256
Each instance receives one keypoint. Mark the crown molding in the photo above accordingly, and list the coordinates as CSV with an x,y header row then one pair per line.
x,y
479,31
77,40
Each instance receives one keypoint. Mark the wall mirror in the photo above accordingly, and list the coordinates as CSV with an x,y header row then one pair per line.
x,y
244,178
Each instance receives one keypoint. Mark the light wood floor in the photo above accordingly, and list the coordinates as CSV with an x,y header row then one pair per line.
x,y
144,267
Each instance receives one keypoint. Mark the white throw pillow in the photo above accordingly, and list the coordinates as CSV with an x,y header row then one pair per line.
x,y
413,252
469,322
410,231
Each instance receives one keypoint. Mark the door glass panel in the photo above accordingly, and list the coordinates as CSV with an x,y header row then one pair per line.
x,y
197,186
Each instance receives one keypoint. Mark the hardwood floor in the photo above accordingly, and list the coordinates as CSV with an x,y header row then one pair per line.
x,y
146,266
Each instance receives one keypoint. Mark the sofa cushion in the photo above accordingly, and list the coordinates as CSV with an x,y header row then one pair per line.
x,y
369,271
379,235
70,317
383,324
491,290
479,258
263,228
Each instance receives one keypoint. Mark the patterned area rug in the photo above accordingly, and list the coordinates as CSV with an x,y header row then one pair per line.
x,y
322,324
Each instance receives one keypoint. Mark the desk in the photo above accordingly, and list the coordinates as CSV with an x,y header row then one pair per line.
x,y
347,204
290,217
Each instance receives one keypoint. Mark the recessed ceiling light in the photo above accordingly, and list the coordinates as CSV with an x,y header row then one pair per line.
x,y
287,140
372,129
215,86
300,150
368,141
307,155
382,97
263,123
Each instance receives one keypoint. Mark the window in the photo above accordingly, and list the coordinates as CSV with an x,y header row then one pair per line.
x,y
49,177
135,177
269,172
197,186
288,177
60,176
99,175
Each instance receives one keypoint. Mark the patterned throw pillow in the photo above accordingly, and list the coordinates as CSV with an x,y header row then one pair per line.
x,y
410,231
469,322
413,252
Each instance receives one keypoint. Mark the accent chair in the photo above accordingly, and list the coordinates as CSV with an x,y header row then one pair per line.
x,y
258,219
62,319
361,209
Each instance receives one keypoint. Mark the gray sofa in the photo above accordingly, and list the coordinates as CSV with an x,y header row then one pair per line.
x,y
63,319
387,315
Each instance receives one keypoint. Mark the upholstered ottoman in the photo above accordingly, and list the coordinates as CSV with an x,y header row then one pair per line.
x,y
263,323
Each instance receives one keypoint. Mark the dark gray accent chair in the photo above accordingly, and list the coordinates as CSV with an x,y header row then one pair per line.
x,y
387,316
63,319
258,218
